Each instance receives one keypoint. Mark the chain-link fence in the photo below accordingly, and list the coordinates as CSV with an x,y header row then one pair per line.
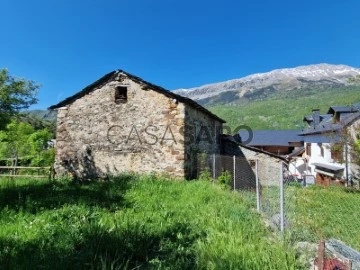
x,y
240,171
263,178
281,199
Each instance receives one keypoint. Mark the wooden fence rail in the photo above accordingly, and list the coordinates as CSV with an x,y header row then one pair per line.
x,y
42,172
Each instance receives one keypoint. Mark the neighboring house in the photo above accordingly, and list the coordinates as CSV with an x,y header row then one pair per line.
x,y
282,144
326,155
278,142
317,153
122,123
297,165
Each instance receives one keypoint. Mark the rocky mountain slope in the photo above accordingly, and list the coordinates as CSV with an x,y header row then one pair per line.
x,y
42,114
262,85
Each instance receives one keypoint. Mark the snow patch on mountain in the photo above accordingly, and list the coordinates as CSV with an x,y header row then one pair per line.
x,y
280,79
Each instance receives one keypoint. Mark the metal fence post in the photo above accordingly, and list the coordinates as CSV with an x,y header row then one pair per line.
x,y
214,163
257,185
234,171
281,198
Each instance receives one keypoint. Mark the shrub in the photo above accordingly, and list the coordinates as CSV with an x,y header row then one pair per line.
x,y
205,175
224,179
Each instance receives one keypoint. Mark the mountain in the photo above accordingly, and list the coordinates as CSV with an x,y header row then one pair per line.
x,y
278,99
263,85
42,114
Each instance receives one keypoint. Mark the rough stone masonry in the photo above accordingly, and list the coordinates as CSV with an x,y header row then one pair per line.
x,y
123,124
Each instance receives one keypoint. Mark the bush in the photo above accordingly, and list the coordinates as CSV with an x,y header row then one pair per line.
x,y
205,175
224,179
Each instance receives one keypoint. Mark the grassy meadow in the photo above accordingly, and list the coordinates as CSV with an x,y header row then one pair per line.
x,y
315,213
133,222
322,213
148,222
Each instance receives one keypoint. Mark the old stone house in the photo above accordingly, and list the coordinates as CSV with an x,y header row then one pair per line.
x,y
121,123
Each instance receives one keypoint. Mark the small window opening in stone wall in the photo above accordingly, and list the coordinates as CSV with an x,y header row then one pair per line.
x,y
120,94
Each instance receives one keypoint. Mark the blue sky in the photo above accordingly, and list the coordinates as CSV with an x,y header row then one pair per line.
x,y
66,45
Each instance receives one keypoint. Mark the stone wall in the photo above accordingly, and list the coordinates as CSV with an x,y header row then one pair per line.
x,y
268,164
148,133
202,135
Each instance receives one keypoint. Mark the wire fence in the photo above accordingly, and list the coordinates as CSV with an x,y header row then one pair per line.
x,y
263,178
277,196
242,171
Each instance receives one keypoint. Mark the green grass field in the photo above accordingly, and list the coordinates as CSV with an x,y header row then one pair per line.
x,y
314,213
133,222
145,222
323,213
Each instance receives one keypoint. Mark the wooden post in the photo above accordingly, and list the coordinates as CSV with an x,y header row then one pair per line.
x,y
321,254
13,164
16,163
51,173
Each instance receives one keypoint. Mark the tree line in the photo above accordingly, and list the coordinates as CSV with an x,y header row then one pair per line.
x,y
24,140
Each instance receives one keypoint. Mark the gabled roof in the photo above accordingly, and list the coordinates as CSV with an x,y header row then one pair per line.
x,y
340,109
323,117
271,137
231,139
327,125
327,137
146,85
321,128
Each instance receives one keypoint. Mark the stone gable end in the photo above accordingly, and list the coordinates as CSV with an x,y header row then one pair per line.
x,y
145,132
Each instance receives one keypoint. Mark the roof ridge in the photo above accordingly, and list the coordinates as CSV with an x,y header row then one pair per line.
x,y
106,78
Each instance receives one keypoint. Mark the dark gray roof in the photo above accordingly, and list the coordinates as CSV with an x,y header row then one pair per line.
x,y
340,109
323,138
146,85
231,139
271,137
327,125
323,117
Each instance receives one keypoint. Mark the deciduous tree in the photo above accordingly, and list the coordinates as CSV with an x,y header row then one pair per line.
x,y
16,94
19,140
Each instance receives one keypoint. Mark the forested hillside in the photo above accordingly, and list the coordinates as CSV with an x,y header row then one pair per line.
x,y
285,110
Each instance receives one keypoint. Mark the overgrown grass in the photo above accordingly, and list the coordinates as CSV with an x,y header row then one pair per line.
x,y
315,212
322,213
133,222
